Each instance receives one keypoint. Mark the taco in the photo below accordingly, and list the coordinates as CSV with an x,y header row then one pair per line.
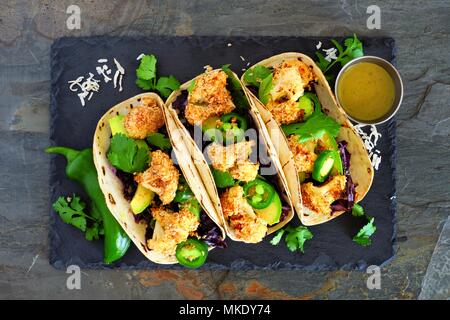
x,y
248,187
161,205
325,161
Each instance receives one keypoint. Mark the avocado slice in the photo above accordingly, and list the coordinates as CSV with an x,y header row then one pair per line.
x,y
209,128
327,142
141,199
116,125
272,213
307,105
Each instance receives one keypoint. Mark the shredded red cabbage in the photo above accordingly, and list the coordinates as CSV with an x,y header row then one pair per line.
x,y
210,232
129,185
348,200
180,102
284,212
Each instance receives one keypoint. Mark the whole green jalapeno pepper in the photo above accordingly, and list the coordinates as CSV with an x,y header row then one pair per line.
x,y
80,168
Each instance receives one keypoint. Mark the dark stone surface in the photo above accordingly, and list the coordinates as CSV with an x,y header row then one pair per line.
x,y
73,125
27,29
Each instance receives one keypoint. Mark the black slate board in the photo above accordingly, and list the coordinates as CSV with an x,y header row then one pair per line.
x,y
73,125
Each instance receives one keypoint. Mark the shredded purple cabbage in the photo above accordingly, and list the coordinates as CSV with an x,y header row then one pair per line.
x,y
348,201
180,102
210,232
284,212
129,185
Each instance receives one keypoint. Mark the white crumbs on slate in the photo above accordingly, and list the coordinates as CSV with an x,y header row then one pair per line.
x,y
85,87
370,142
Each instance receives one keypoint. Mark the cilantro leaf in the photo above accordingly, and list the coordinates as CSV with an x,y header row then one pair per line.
x,y
128,154
191,86
235,87
166,85
147,68
255,75
264,89
93,233
363,236
358,210
322,63
313,128
144,84
71,211
159,140
277,238
353,49
296,238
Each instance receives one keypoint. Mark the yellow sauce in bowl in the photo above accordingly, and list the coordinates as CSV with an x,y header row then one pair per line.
x,y
366,91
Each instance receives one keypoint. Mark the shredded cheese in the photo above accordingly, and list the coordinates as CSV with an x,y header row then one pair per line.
x,y
370,142
86,87
330,54
319,45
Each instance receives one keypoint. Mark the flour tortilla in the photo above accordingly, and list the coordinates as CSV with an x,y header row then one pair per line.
x,y
112,187
360,166
205,172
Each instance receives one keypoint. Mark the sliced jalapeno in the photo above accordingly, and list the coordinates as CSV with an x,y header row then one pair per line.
x,y
183,193
192,253
323,165
233,126
307,105
259,193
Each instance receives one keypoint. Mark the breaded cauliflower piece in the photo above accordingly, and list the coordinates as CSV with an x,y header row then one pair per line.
x,y
161,177
290,79
320,198
245,171
286,112
224,158
171,228
304,156
144,119
209,97
234,159
241,217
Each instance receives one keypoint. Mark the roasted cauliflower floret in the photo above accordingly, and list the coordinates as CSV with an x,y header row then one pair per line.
x,y
241,217
161,177
209,97
171,228
234,159
290,79
144,119
286,112
287,83
245,171
320,198
304,156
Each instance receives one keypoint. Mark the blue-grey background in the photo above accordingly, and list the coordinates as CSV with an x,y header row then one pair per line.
x,y
421,30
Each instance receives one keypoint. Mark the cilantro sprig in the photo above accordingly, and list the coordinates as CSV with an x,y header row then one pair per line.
x,y
295,237
353,49
147,79
159,140
235,88
127,154
261,77
71,210
315,126
363,236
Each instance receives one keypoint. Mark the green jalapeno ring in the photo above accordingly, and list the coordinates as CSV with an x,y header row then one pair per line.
x,y
259,193
323,165
192,253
